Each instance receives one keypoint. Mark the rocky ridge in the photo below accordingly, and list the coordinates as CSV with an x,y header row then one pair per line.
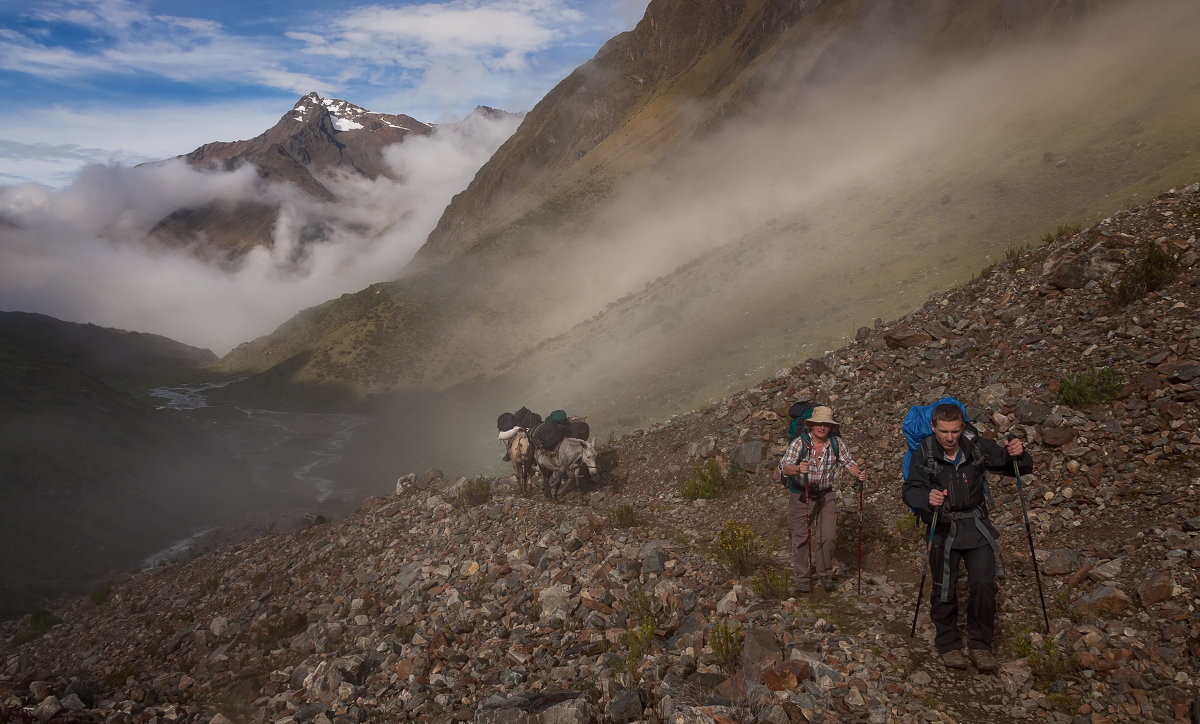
x,y
415,608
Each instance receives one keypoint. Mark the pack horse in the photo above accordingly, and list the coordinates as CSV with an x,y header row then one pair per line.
x,y
558,448
566,461
520,452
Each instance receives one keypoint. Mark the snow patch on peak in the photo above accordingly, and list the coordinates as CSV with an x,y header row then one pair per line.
x,y
343,114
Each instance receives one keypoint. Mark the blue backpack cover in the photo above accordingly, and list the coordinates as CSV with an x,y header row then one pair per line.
x,y
918,425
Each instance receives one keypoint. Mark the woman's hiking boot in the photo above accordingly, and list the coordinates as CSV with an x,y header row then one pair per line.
x,y
827,583
954,659
984,660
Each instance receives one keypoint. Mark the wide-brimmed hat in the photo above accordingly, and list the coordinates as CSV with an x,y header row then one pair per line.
x,y
822,414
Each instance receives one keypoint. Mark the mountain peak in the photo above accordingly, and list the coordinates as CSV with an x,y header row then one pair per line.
x,y
346,116
318,137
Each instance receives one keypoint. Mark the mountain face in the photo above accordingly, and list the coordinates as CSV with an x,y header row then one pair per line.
x,y
94,475
318,135
689,68
730,183
318,138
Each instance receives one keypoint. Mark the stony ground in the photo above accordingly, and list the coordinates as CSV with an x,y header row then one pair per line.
x,y
419,608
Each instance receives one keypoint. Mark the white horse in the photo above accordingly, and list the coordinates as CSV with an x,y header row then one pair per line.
x,y
565,461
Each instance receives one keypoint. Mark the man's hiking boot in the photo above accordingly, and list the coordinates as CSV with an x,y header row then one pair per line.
x,y
827,583
804,587
954,659
984,660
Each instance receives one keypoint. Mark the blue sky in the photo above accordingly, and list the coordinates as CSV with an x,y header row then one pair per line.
x,y
122,81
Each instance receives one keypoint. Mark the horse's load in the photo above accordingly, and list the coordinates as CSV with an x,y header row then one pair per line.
x,y
548,435
579,429
526,418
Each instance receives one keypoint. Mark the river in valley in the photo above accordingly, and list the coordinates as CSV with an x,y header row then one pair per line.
x,y
291,458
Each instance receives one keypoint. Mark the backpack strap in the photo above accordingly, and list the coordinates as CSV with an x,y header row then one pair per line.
x,y
805,443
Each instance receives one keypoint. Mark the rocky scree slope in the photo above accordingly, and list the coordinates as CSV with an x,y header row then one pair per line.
x,y
519,609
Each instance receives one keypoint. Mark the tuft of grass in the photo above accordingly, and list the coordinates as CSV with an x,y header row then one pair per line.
x,y
534,612
642,615
641,608
1013,254
1049,663
1063,230
1098,385
39,623
473,492
623,516
101,594
771,583
405,631
726,642
985,272
1153,268
1047,660
739,548
706,482
1062,605
638,640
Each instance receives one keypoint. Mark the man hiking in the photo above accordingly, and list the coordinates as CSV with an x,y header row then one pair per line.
x,y
948,474
815,457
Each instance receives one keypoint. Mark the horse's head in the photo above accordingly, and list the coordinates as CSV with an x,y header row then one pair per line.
x,y
588,456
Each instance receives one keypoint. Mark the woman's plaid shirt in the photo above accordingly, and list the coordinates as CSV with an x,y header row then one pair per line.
x,y
820,471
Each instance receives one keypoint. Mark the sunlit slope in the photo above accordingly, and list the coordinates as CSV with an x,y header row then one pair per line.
x,y
782,188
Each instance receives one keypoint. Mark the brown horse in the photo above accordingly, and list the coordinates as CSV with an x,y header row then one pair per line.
x,y
520,451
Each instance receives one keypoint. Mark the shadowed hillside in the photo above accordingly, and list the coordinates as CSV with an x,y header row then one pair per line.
x,y
93,477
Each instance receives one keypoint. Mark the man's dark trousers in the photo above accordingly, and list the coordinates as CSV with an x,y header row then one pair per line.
x,y
981,608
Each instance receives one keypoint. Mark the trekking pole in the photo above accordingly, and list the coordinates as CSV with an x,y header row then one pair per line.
x,y
921,590
808,524
860,527
1029,534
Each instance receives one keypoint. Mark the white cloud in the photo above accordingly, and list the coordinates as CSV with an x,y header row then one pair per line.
x,y
119,135
78,254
